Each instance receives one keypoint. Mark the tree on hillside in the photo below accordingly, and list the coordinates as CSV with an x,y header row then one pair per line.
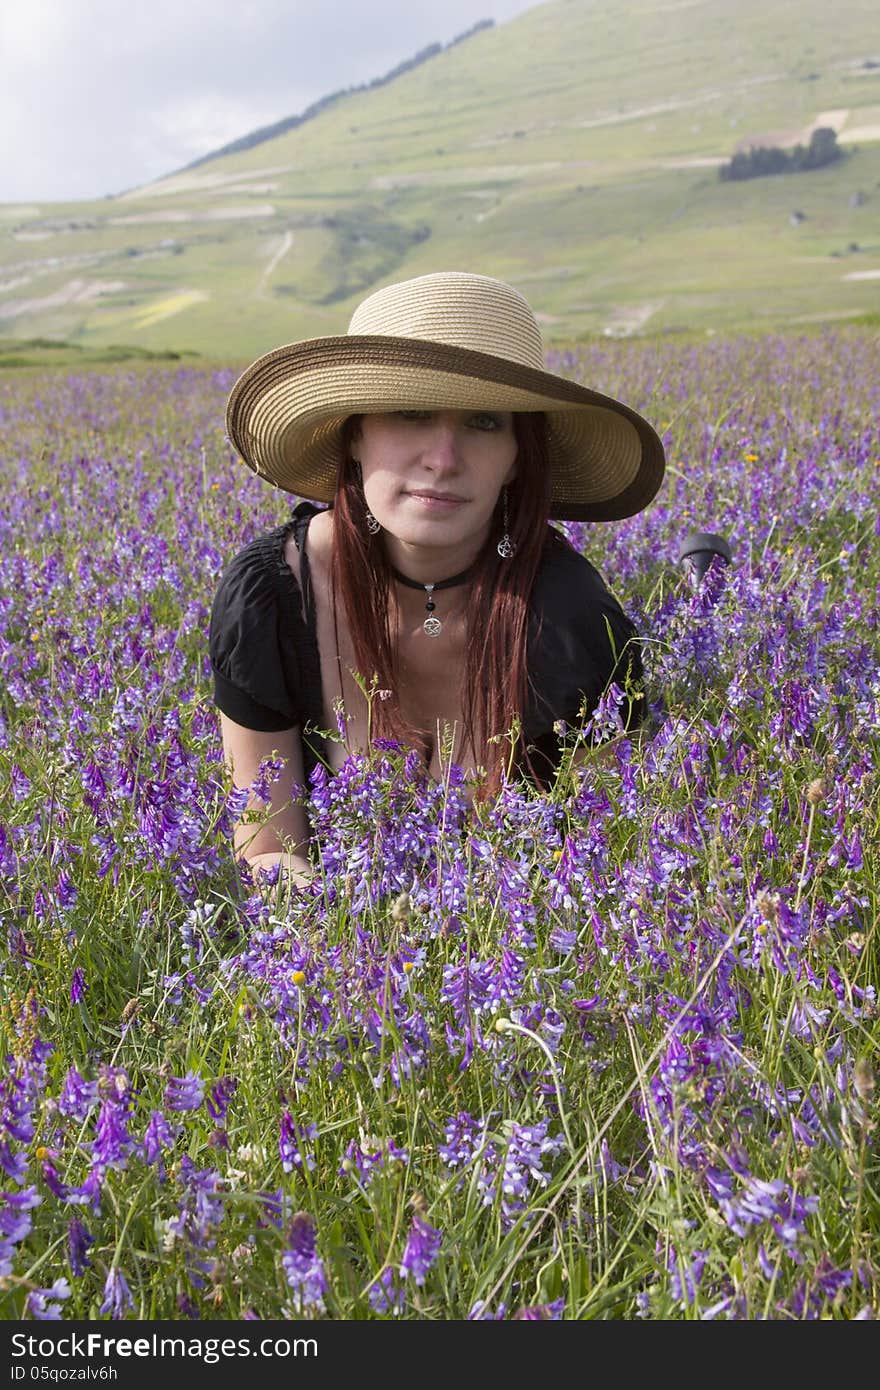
x,y
822,149
761,160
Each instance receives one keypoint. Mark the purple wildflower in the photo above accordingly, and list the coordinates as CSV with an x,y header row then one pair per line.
x,y
612,1171
113,1142
293,1143
66,892
117,1295
368,1155
89,1191
78,1242
606,720
686,1272
523,1160
19,1093
422,1248
762,1201
54,1181
15,1223
825,1286
463,1138
19,782
480,1312
77,1096
270,770
385,1294
527,1147
158,1135
468,988
185,1092
274,1207
562,939
541,1312
201,1210
220,1095
303,1266
94,786
78,985
45,1304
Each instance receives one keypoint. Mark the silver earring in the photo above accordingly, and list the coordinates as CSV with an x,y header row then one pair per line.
x,y
506,547
373,526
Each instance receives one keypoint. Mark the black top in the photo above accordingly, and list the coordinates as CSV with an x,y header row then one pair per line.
x,y
264,651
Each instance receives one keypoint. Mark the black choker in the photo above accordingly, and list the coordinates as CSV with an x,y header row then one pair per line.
x,y
432,626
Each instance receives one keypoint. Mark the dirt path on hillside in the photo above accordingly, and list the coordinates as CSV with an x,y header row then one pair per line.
x,y
200,183
74,292
277,256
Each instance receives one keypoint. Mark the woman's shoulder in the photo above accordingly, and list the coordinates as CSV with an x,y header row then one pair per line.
x,y
257,586
566,578
575,617
260,562
259,647
579,638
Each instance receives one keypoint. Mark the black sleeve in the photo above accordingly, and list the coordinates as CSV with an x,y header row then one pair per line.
x,y
580,642
253,639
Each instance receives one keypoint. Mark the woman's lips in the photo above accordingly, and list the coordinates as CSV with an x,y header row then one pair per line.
x,y
438,503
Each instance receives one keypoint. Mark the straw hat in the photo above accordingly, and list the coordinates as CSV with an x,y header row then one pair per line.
x,y
444,341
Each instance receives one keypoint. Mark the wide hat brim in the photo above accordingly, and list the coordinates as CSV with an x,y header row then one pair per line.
x,y
285,413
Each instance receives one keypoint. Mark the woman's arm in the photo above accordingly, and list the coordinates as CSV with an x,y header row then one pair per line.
x,y
284,837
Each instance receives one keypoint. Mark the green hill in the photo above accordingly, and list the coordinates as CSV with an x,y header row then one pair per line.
x,y
573,151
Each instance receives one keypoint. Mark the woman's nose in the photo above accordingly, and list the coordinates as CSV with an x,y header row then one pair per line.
x,y
442,448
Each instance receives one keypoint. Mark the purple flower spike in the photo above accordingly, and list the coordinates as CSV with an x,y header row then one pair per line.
x,y
187,1307
541,1312
185,1092
77,1095
78,1242
158,1135
422,1249
303,1266
481,1312
15,1223
386,1295
221,1094
45,1304
113,1141
78,985
294,1143
117,1294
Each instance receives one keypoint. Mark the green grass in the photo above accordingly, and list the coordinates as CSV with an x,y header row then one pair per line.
x,y
55,352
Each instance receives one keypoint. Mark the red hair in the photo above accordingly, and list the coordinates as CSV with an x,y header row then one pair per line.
x,y
494,679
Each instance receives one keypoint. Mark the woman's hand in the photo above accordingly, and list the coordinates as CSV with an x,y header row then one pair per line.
x,y
295,868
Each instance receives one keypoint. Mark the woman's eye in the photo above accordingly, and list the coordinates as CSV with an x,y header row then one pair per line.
x,y
486,422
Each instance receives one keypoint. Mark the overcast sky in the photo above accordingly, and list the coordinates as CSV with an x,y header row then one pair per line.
x,y
98,96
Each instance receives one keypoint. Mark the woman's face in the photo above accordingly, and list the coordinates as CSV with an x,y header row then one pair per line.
x,y
433,477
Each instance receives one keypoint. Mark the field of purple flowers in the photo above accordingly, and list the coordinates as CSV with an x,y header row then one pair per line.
x,y
606,1052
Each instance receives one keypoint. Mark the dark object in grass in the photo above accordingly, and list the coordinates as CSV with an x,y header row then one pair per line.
x,y
698,551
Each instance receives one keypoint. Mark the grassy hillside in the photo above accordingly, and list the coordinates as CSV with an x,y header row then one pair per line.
x,y
573,151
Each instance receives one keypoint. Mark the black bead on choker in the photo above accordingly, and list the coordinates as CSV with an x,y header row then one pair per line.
x,y
432,626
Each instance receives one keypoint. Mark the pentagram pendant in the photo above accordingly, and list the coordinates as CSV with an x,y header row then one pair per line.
x,y
505,547
432,626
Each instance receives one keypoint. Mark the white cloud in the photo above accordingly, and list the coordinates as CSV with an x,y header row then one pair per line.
x,y
185,128
30,33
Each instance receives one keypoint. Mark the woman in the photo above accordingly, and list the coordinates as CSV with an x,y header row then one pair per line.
x,y
432,602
